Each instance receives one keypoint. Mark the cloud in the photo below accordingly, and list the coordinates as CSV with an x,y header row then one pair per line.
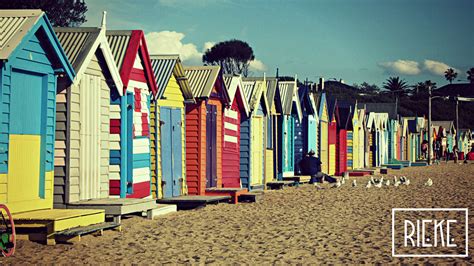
x,y
437,68
208,45
406,67
171,42
257,65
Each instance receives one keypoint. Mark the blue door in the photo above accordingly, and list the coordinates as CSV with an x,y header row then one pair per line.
x,y
176,143
171,151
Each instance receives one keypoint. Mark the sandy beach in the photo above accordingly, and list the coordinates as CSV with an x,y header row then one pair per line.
x,y
295,225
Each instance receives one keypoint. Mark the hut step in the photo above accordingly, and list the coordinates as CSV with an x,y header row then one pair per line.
x,y
75,234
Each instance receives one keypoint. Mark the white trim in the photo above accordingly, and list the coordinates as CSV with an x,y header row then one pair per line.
x,y
141,175
230,126
132,84
228,138
231,113
114,176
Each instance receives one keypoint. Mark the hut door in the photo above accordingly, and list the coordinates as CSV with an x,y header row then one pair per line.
x,y
90,129
176,142
211,153
26,159
167,152
171,142
291,143
257,138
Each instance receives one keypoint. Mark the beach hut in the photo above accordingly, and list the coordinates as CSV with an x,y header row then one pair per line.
x,y
291,111
32,64
446,132
81,165
252,138
361,145
332,136
129,170
204,128
323,145
234,115
271,124
353,132
167,120
343,116
306,131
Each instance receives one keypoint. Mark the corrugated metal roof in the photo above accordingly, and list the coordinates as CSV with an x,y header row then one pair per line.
x,y
234,86
118,42
286,92
76,43
202,79
253,90
14,25
163,67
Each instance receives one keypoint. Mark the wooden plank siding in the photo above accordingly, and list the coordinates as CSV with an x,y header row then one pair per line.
x,y
68,173
173,98
196,148
33,58
231,146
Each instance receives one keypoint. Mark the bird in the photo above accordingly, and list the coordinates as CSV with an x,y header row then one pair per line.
x,y
396,184
337,185
387,182
378,184
429,182
407,181
354,183
369,184
343,180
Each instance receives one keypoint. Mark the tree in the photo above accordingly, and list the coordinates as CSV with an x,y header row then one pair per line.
x,y
450,75
233,56
395,85
61,13
470,75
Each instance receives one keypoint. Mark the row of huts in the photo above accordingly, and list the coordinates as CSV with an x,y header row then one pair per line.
x,y
88,113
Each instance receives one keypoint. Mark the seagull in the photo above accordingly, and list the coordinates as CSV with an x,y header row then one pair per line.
x,y
354,183
429,182
369,184
407,182
378,184
343,180
337,185
387,182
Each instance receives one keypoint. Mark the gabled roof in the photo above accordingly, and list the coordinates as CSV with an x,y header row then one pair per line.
x,y
202,79
332,107
306,101
321,103
253,90
273,93
446,125
80,44
125,46
235,87
344,116
17,24
163,67
290,99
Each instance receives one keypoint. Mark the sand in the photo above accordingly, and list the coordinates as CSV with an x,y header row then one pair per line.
x,y
301,225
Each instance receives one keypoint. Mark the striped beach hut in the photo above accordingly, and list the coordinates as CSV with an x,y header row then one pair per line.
x,y
82,150
362,140
204,128
252,136
353,138
167,121
32,63
129,170
234,115
306,132
343,115
291,111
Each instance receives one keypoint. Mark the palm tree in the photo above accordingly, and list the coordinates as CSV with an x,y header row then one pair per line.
x,y
419,87
450,75
431,84
397,86
470,75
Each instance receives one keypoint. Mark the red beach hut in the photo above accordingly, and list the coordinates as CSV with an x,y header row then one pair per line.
x,y
204,128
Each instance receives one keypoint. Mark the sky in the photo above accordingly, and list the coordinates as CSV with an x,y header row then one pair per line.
x,y
353,40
